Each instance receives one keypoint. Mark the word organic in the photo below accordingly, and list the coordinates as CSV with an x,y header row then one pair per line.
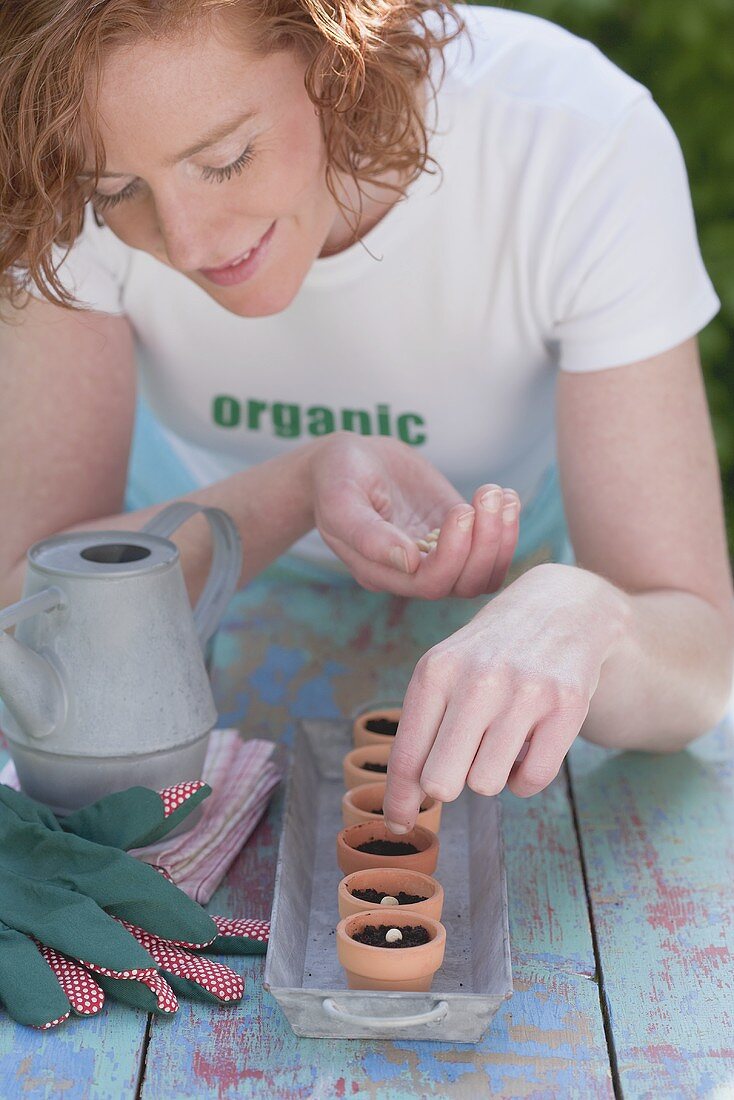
x,y
290,421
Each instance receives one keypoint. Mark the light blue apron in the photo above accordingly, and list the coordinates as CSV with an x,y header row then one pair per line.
x,y
156,474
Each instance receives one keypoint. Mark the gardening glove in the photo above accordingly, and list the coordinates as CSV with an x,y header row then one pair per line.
x,y
67,897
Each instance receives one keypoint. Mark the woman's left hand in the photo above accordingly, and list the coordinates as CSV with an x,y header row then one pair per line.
x,y
502,700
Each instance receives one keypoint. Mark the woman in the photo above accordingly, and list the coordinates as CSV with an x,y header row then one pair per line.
x,y
264,226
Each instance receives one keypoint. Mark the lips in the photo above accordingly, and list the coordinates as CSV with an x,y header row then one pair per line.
x,y
242,267
232,263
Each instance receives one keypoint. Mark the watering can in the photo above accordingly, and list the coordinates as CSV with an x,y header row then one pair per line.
x,y
104,684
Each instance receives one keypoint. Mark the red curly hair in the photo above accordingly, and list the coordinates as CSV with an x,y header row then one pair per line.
x,y
368,62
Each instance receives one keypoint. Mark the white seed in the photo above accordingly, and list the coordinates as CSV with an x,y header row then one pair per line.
x,y
393,935
428,542
389,900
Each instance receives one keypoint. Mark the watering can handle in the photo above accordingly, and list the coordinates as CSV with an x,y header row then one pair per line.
x,y
224,575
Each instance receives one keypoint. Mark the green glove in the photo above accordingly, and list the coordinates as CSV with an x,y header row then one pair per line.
x,y
126,819
67,885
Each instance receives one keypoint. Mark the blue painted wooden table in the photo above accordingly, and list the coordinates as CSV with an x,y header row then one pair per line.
x,y
620,882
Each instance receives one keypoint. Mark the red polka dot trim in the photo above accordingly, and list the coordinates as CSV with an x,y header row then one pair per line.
x,y
121,975
51,1023
165,997
173,797
242,926
85,996
134,929
222,982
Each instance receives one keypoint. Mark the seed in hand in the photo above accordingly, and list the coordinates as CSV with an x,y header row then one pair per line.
x,y
393,935
389,900
429,542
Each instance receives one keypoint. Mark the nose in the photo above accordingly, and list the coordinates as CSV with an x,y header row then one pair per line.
x,y
187,235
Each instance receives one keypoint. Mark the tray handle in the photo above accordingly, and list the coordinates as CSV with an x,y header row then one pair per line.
x,y
438,1012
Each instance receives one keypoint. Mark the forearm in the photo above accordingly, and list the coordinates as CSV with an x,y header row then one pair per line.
x,y
270,503
668,678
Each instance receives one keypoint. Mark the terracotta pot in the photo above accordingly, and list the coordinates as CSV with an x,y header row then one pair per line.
x,y
363,735
349,859
359,801
354,773
408,968
391,880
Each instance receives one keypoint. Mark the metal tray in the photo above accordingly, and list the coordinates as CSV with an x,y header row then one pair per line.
x,y
302,970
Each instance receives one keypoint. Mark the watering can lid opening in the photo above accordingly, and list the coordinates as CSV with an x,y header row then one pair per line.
x,y
103,553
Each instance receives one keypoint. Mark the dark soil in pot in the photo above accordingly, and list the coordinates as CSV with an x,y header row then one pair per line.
x,y
376,896
384,726
388,848
374,935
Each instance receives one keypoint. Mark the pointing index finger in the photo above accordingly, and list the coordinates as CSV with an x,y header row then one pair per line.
x,y
423,710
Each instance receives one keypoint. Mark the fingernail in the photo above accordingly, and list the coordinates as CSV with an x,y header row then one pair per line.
x,y
465,522
491,500
399,559
509,513
397,829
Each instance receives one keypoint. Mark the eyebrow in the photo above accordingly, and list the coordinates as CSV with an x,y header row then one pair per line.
x,y
211,138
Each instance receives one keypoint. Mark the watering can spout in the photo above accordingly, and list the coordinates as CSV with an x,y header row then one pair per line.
x,y
30,687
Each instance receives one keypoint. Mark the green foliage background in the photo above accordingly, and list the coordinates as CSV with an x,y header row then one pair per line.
x,y
683,51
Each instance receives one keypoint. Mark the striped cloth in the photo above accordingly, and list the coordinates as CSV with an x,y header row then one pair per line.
x,y
242,775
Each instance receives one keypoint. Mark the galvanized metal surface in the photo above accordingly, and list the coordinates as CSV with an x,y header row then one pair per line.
x,y
302,969
116,657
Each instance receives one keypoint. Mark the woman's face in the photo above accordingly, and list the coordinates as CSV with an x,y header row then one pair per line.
x,y
213,153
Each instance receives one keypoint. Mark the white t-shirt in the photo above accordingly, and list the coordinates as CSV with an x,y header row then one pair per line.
x,y
560,235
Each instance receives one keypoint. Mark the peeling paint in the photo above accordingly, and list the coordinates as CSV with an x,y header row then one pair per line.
x,y
657,835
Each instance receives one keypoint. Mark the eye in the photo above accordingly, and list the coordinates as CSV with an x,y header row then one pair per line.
x,y
106,202
219,175
212,175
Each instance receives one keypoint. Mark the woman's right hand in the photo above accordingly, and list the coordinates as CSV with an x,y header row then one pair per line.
x,y
375,497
